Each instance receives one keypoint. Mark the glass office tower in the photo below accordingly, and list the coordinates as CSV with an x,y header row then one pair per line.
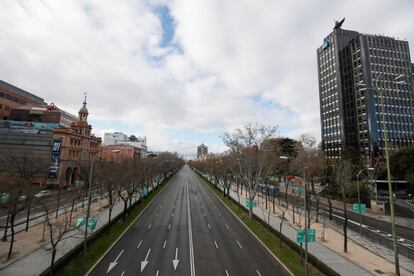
x,y
356,73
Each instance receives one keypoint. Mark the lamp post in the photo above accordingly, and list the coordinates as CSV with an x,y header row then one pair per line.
x,y
359,198
394,236
88,209
306,214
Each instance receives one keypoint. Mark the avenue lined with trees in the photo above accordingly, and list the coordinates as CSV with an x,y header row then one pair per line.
x,y
66,208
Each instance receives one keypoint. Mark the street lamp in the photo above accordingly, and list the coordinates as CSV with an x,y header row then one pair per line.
x,y
88,210
391,197
306,215
359,198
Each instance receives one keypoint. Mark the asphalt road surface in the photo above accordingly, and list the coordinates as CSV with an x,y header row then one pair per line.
x,y
188,231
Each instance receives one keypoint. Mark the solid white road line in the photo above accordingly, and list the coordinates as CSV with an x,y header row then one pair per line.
x,y
239,244
209,226
122,273
165,243
149,226
216,244
228,228
258,273
169,226
139,244
227,273
157,273
190,234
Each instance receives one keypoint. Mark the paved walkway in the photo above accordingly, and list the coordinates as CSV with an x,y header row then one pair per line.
x,y
329,251
41,257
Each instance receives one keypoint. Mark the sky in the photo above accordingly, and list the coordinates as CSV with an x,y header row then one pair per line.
x,y
182,72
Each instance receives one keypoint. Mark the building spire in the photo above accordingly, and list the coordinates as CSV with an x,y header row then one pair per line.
x,y
84,101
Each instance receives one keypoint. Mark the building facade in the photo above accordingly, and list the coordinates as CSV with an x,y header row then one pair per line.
x,y
116,138
71,147
120,152
202,151
49,114
14,97
26,146
359,74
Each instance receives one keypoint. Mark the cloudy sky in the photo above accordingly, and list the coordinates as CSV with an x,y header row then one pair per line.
x,y
183,71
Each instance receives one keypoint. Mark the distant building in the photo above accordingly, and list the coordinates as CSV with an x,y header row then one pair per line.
x,y
202,151
119,138
13,97
72,146
49,114
351,114
27,144
120,152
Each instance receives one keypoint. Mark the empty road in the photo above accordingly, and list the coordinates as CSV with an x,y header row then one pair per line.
x,y
188,231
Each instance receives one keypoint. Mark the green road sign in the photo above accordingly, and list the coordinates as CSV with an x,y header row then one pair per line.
x,y
311,235
4,197
79,183
357,206
250,203
145,191
79,221
299,190
300,235
92,223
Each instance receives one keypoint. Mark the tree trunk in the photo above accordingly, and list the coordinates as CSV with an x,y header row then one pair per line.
x,y
58,202
345,228
273,202
12,217
330,208
52,261
125,208
110,213
5,228
27,218
309,204
317,201
71,212
280,229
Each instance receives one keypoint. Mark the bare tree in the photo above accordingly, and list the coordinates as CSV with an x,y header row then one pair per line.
x,y
249,144
17,182
107,174
343,176
58,228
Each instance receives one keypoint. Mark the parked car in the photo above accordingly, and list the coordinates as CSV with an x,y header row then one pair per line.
x,y
43,193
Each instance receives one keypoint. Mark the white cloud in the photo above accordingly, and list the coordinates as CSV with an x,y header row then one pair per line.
x,y
231,54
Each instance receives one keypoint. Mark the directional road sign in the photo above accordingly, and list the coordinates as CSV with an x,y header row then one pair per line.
x,y
357,206
300,235
250,203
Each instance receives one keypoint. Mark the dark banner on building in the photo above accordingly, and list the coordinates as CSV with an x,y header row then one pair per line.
x,y
54,167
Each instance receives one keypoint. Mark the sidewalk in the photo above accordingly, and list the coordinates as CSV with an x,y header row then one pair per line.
x,y
358,261
37,261
401,221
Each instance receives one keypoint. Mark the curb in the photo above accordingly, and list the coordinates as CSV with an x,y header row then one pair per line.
x,y
123,233
251,232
